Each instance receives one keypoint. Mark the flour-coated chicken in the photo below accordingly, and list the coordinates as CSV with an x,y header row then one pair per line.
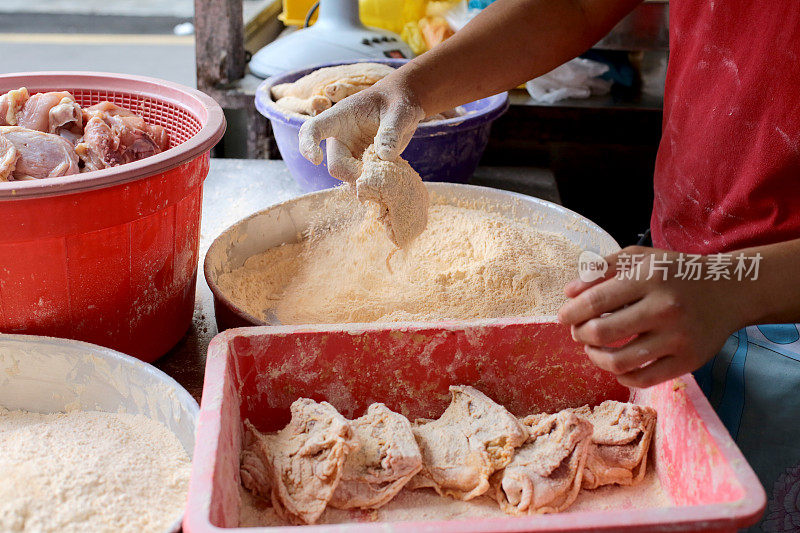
x,y
620,442
317,91
399,192
474,438
546,473
387,458
300,466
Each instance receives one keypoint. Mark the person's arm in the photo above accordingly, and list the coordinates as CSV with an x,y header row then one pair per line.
x,y
508,43
775,297
678,324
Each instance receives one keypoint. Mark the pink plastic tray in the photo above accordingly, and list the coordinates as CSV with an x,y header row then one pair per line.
x,y
527,365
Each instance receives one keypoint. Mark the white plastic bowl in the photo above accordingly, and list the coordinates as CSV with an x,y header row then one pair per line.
x,y
45,375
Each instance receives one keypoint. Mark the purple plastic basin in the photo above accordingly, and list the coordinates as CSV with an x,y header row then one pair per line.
x,y
442,150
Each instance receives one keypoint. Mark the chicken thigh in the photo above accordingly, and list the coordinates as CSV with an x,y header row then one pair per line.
x,y
39,155
302,463
387,458
546,472
400,193
621,439
472,439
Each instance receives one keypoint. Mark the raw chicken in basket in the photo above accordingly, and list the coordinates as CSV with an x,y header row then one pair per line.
x,y
47,135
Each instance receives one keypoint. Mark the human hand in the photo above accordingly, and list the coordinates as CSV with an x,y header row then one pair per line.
x,y
676,324
385,114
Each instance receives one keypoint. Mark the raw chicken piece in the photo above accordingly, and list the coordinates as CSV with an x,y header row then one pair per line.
x,y
621,439
40,155
472,439
331,83
98,148
66,116
8,159
51,112
400,193
387,458
11,104
300,466
128,119
114,136
546,472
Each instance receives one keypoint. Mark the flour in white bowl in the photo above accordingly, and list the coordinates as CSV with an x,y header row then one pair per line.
x,y
89,471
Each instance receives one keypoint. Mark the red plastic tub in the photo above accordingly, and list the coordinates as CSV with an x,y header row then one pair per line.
x,y
527,365
110,257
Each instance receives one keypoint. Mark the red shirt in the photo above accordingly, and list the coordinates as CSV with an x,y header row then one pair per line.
x,y
728,168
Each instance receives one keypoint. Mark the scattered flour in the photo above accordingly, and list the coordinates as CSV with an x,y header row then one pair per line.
x,y
468,263
425,504
89,471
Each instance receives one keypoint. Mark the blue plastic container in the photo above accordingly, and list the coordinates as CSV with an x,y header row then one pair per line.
x,y
443,150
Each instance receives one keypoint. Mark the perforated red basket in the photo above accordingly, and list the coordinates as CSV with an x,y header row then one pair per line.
x,y
110,256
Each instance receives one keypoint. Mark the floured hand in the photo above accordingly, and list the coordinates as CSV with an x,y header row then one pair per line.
x,y
386,114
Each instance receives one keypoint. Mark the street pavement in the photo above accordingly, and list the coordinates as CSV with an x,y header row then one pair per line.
x,y
125,36
167,57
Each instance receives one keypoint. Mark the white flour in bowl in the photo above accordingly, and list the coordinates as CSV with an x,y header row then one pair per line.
x,y
89,471
468,263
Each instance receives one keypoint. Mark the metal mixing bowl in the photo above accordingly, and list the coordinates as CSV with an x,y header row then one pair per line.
x,y
286,222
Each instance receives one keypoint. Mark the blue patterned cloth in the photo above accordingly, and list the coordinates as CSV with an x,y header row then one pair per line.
x,y
754,385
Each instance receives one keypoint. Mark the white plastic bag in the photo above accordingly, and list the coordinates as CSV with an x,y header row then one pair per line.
x,y
577,78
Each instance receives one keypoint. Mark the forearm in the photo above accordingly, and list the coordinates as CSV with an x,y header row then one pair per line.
x,y
510,42
774,296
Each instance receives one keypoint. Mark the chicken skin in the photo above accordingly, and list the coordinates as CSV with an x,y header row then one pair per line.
x,y
114,136
101,136
8,159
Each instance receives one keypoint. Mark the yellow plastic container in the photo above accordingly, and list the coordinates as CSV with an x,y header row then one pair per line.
x,y
391,15
295,11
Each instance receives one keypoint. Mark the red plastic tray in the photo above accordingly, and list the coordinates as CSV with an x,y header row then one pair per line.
x,y
530,365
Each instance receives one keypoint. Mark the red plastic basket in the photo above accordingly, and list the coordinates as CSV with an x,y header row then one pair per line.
x,y
110,256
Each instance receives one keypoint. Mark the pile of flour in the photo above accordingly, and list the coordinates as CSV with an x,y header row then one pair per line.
x,y
89,471
468,263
